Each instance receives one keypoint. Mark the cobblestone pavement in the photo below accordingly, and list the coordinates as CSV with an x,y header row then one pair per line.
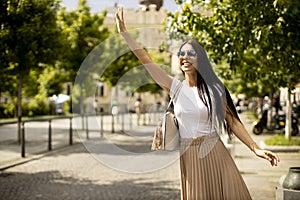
x,y
74,173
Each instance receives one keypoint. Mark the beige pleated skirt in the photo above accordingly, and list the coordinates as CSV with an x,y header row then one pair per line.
x,y
214,177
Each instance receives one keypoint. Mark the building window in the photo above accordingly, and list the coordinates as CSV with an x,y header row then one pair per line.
x,y
100,90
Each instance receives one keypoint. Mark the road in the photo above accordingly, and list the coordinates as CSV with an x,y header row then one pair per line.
x,y
80,171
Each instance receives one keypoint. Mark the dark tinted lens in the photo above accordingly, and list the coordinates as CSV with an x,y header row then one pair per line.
x,y
191,53
181,53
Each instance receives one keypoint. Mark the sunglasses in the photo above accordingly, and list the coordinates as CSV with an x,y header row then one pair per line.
x,y
190,53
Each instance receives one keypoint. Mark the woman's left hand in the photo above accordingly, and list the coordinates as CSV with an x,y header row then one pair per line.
x,y
268,155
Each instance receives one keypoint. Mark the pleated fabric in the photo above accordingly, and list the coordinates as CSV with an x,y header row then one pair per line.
x,y
214,177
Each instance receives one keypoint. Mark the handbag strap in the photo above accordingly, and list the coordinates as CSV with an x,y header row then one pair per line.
x,y
175,94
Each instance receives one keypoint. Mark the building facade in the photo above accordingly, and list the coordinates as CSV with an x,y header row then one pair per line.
x,y
147,23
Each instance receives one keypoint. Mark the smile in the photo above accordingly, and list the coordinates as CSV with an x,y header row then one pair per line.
x,y
185,63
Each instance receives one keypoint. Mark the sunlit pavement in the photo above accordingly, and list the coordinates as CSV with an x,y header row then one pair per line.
x,y
75,173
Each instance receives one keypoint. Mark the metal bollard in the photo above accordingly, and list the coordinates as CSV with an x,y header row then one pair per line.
x,y
49,136
101,125
130,121
112,124
87,127
82,121
23,139
71,132
122,121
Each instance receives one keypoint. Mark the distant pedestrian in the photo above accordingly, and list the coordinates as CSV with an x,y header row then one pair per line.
x,y
95,105
59,109
137,105
204,109
137,108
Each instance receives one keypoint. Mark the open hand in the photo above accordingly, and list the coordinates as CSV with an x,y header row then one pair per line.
x,y
120,20
268,155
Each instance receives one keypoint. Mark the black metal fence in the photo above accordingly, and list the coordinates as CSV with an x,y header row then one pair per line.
x,y
106,123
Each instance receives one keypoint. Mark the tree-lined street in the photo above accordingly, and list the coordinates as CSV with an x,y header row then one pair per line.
x,y
48,51
75,173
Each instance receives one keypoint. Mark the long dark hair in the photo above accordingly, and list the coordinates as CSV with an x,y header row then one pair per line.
x,y
209,85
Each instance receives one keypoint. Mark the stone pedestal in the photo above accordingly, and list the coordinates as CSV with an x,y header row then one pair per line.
x,y
287,194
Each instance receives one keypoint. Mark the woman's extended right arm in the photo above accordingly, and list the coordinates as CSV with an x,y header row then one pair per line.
x,y
159,75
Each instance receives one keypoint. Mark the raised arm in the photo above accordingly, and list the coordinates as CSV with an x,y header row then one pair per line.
x,y
240,132
159,75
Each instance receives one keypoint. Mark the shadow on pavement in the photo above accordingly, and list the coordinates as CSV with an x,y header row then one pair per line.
x,y
53,185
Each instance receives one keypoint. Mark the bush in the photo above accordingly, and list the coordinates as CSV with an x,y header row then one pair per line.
x,y
282,141
7,110
38,107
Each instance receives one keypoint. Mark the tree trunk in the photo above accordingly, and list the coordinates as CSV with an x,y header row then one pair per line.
x,y
288,119
19,110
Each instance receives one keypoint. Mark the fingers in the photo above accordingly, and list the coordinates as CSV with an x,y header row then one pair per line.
x,y
273,158
121,11
269,156
119,14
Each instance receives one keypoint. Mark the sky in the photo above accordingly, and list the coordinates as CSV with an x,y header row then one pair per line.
x,y
99,5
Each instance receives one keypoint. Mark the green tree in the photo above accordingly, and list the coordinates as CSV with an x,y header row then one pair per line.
x,y
258,39
40,86
83,31
29,36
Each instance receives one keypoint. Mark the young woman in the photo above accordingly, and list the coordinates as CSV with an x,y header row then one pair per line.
x,y
204,110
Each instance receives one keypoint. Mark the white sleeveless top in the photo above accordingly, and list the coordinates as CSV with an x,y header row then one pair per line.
x,y
191,112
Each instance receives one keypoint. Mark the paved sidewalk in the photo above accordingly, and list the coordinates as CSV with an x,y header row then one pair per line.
x,y
75,173
37,134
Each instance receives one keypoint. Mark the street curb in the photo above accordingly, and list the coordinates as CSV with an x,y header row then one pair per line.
x,y
21,161
283,149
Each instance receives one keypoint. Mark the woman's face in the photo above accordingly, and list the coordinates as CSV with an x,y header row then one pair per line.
x,y
188,59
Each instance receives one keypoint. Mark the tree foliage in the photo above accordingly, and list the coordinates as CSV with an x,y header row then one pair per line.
x,y
29,34
258,39
83,31
29,39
